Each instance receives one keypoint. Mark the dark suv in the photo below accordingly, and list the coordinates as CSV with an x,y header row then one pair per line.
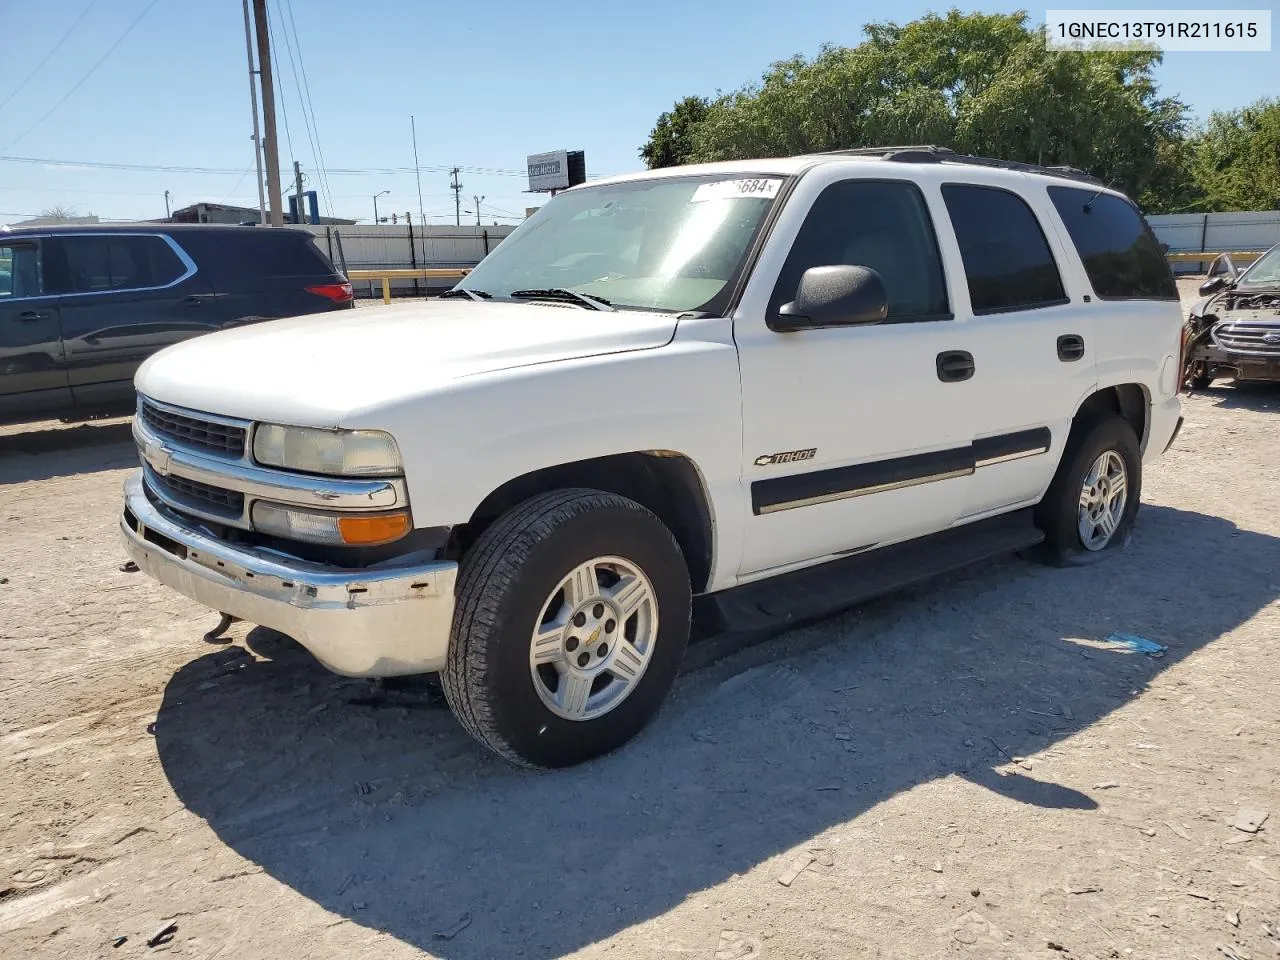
x,y
82,307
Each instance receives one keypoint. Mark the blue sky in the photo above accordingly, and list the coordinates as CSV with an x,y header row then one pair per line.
x,y
489,81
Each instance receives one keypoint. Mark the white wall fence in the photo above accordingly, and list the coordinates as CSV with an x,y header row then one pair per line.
x,y
1192,232
370,247
388,246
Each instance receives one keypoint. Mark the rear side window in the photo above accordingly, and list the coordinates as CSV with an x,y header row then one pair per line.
x,y
883,225
106,263
1119,252
1006,256
264,252
20,274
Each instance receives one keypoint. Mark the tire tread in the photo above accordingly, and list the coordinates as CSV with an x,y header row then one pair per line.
x,y
487,573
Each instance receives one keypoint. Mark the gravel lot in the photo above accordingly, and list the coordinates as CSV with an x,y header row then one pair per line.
x,y
962,770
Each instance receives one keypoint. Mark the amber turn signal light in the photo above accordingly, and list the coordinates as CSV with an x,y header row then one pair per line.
x,y
373,529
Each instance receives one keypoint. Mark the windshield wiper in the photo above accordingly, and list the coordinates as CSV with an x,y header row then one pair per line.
x,y
563,293
469,294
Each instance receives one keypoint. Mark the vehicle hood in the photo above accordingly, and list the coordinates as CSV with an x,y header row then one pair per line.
x,y
1253,304
314,370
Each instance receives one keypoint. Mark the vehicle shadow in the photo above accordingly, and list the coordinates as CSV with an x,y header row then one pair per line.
x,y
44,452
381,810
1260,395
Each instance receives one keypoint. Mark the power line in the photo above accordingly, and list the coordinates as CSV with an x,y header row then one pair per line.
x,y
235,171
306,121
56,47
309,106
275,59
79,83
231,192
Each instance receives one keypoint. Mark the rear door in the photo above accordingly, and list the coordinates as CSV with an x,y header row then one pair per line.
x,y
129,295
33,381
265,274
1031,332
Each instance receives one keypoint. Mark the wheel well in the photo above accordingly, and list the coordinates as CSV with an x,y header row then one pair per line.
x,y
1127,400
666,483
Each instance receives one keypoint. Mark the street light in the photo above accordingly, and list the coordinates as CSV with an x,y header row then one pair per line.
x,y
478,201
376,221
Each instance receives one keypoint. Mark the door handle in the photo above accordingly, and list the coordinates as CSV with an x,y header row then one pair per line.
x,y
1070,347
32,315
955,366
196,299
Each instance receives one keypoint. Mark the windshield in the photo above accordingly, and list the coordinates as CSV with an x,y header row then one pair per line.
x,y
1265,270
671,244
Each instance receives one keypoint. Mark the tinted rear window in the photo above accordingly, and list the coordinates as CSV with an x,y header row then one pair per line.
x,y
1006,257
1119,252
256,252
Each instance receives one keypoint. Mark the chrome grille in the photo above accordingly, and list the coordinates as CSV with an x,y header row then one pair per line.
x,y
1262,339
221,438
198,496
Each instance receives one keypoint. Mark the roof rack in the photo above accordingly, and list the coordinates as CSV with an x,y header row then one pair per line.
x,y
931,153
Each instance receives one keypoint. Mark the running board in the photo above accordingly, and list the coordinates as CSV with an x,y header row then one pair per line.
x,y
830,587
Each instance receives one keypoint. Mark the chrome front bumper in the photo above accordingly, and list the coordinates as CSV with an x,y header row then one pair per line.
x,y
375,622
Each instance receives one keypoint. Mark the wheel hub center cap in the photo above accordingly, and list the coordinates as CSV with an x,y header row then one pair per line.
x,y
588,637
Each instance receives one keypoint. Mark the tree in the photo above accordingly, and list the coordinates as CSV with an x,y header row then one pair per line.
x,y
670,141
58,213
979,83
1235,158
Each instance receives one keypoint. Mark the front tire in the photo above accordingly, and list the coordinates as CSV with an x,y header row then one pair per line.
x,y
1089,509
571,623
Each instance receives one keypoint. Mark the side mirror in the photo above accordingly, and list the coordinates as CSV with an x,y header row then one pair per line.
x,y
834,296
1212,285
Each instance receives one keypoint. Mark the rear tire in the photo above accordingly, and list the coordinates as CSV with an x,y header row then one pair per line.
x,y
527,622
1088,512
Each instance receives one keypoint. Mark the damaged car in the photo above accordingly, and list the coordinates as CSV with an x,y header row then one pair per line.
x,y
1235,330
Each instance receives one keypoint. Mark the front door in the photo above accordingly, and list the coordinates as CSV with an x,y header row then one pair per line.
x,y
129,295
32,379
853,436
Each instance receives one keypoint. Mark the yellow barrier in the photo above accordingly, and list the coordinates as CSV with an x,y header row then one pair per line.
x,y
1238,257
407,273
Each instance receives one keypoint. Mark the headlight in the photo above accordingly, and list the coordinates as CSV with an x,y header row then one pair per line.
x,y
338,529
340,453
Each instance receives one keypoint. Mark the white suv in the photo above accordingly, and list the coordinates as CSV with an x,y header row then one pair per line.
x,y
734,395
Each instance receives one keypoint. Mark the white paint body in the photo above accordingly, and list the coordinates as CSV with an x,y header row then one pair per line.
x,y
477,394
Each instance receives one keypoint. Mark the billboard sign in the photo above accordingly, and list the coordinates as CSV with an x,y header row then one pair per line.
x,y
557,170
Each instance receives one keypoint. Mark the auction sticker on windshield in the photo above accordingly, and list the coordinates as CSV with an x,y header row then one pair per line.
x,y
764,188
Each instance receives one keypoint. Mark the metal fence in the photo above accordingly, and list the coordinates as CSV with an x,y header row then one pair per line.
x,y
1193,232
397,247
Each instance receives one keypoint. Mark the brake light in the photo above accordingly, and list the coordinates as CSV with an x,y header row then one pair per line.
x,y
1183,340
337,292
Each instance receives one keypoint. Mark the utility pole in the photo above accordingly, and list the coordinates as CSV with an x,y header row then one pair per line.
x,y
456,187
253,102
297,190
167,214
268,112
478,201
417,172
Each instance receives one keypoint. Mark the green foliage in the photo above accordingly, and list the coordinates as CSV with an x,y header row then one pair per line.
x,y
986,84
670,141
1235,158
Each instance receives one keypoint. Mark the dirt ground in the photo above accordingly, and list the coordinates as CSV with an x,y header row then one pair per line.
x,y
962,770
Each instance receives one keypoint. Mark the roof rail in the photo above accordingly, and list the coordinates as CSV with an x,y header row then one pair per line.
x,y
931,153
